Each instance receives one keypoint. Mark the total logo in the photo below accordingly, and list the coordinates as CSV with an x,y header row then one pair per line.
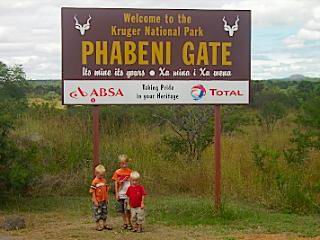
x,y
94,93
199,91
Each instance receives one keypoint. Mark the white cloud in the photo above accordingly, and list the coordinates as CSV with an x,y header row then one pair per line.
x,y
273,13
309,32
293,42
283,65
47,47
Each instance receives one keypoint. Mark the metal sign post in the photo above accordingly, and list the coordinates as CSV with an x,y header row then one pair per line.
x,y
96,140
217,156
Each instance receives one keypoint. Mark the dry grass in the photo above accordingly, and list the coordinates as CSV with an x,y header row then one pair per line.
x,y
66,148
60,226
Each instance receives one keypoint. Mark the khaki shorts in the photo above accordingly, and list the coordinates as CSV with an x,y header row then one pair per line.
x,y
137,215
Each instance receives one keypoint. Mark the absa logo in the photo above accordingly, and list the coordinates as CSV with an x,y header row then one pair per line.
x,y
94,93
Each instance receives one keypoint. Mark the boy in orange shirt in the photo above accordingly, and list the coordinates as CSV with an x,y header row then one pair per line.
x,y
99,191
122,182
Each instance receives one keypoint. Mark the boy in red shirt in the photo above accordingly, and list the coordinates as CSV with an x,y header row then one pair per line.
x,y
121,179
99,191
136,194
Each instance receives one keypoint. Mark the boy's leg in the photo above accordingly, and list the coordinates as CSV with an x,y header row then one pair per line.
x,y
127,212
140,219
104,216
97,216
124,217
100,226
133,218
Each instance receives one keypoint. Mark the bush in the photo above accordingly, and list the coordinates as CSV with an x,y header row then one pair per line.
x,y
284,183
270,113
17,166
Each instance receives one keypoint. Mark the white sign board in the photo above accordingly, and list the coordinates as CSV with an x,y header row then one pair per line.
x,y
155,92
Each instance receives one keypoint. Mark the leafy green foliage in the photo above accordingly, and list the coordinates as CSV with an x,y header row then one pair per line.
x,y
265,159
16,168
193,130
310,119
265,93
234,118
307,135
270,113
298,152
192,127
284,179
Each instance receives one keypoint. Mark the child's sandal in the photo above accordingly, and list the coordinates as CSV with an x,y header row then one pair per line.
x,y
99,228
130,227
108,227
134,230
125,226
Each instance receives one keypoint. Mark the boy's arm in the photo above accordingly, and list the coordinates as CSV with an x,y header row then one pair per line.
x,y
116,184
116,189
108,188
93,193
143,196
142,202
94,199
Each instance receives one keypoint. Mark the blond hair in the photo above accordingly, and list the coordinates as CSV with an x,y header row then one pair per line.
x,y
124,158
100,169
134,175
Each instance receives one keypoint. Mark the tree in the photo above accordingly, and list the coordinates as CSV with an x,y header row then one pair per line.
x,y
270,113
289,178
13,82
192,127
264,93
307,135
16,168
233,118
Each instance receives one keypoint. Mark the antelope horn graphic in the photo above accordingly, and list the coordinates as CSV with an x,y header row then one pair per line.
x,y
88,21
75,18
224,20
236,22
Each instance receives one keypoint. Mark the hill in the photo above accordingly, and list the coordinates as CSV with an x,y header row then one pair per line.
x,y
296,77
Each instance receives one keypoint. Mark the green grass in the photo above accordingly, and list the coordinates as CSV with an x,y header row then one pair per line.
x,y
182,211
233,216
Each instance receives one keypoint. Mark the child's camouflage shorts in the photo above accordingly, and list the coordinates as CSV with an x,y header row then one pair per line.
x,y
100,211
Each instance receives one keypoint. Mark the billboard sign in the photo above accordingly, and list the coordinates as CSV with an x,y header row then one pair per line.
x,y
155,56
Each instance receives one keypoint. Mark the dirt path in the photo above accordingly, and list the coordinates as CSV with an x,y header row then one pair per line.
x,y
58,227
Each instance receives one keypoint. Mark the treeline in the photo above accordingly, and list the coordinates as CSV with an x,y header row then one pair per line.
x,y
41,144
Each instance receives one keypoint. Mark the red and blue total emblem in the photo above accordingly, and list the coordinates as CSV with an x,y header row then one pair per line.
x,y
198,92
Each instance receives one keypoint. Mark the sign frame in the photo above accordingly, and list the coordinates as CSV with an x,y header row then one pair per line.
x,y
155,10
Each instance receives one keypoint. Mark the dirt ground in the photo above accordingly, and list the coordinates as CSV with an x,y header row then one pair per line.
x,y
56,226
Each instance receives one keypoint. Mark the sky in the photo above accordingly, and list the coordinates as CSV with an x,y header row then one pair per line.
x,y
285,33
